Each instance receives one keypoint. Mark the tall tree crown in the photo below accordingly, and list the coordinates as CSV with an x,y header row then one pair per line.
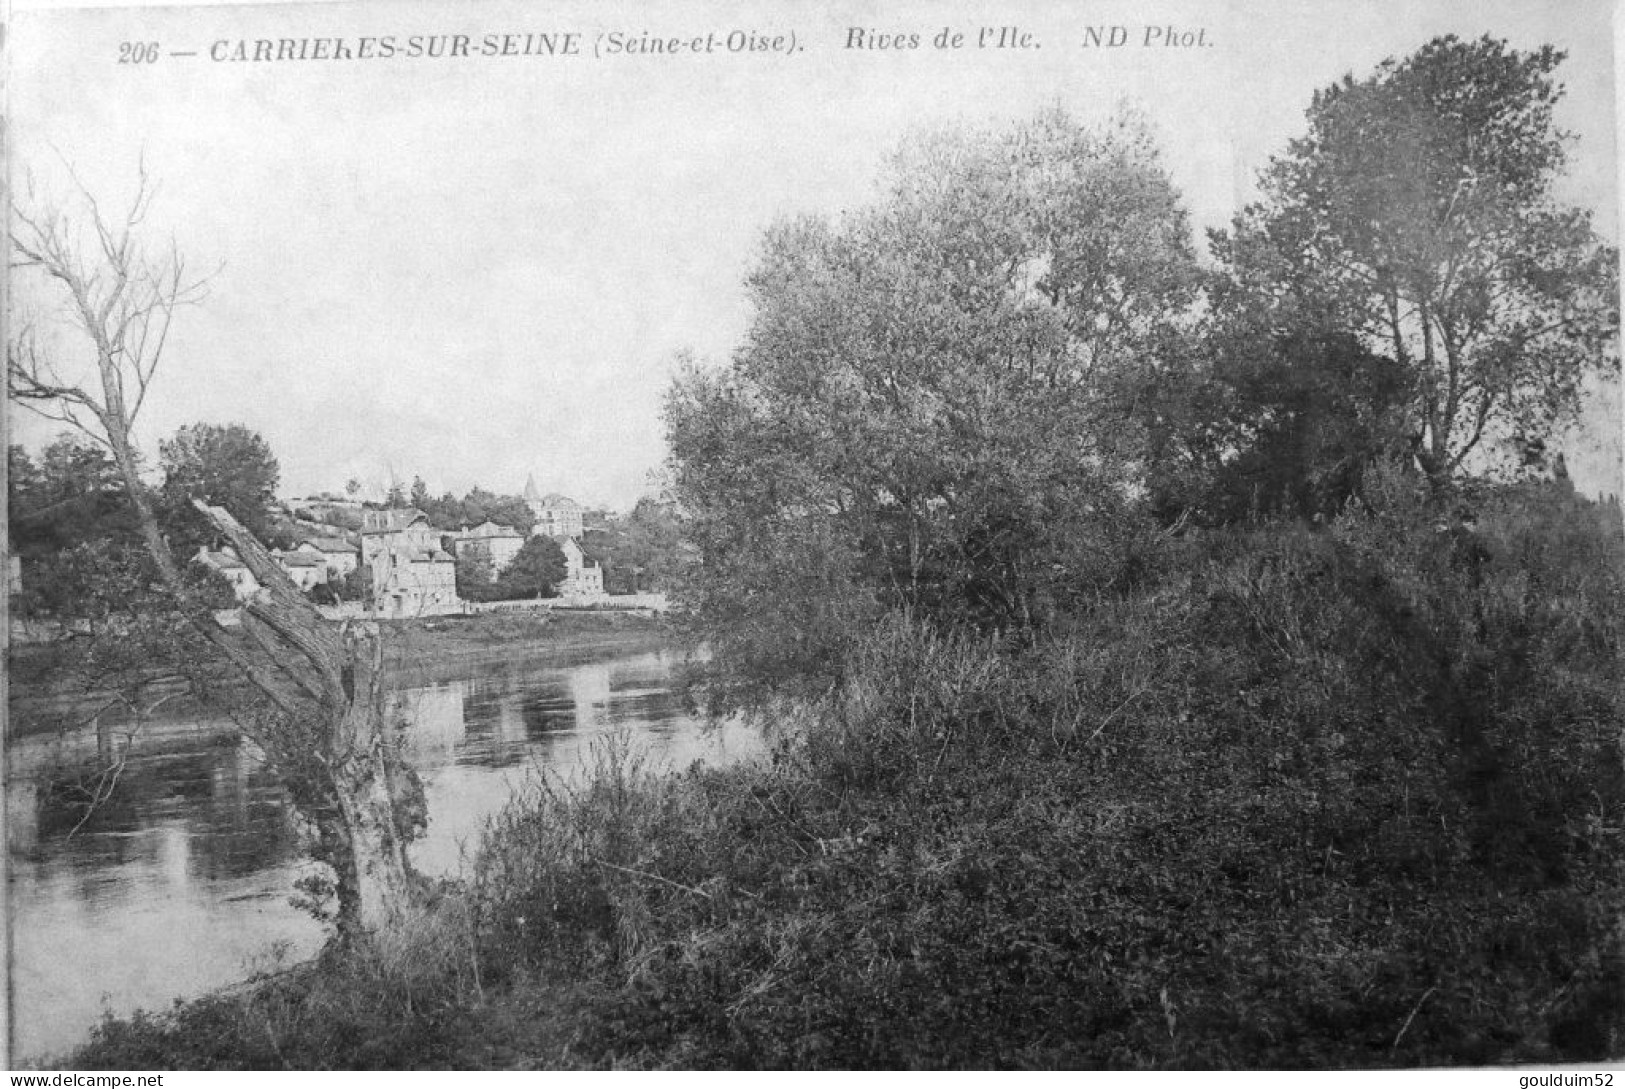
x,y
1418,212
227,465
928,408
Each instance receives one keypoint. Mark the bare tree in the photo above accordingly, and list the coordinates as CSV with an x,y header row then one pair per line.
x,y
320,720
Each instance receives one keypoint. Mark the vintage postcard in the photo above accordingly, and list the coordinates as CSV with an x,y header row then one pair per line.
x,y
1117,504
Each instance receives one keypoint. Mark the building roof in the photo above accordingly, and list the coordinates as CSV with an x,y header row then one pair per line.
x,y
390,521
486,529
299,559
551,499
329,544
221,560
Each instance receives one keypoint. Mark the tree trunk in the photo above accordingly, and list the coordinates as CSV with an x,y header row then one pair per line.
x,y
333,742
329,740
380,799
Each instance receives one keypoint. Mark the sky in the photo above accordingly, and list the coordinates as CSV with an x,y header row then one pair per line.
x,y
481,269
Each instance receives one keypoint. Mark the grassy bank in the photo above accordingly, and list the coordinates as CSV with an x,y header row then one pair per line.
x,y
54,686
1338,798
419,644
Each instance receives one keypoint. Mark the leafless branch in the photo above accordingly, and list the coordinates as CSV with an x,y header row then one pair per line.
x,y
126,306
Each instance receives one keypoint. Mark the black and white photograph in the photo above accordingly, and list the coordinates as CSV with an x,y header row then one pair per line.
x,y
745,535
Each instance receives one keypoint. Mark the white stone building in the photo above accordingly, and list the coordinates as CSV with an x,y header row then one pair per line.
x,y
556,515
306,570
243,582
411,574
339,556
583,580
499,543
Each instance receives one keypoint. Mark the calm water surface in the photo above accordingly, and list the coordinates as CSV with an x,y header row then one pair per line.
x,y
180,881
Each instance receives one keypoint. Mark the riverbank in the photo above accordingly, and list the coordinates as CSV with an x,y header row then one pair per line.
x,y
1316,801
227,877
45,698
414,644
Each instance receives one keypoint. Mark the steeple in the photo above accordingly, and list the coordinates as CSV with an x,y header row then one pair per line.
x,y
531,494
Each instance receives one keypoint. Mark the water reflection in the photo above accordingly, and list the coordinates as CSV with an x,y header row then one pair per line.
x,y
179,881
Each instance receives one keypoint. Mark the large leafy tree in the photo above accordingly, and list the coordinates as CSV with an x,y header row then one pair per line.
x,y
227,466
931,408
640,552
1271,414
474,576
479,505
509,510
651,546
535,571
1418,213
73,494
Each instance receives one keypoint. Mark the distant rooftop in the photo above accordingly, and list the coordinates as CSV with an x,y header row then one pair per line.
x,y
389,521
330,544
487,529
551,499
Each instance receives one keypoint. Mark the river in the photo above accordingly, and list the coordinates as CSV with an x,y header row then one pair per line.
x,y
180,881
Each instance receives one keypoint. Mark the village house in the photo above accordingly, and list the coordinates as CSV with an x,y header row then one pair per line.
x,y
411,574
385,529
243,582
583,579
338,555
556,515
421,583
498,543
560,517
306,570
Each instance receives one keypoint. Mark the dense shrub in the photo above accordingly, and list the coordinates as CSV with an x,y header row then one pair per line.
x,y
1337,797
1310,797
